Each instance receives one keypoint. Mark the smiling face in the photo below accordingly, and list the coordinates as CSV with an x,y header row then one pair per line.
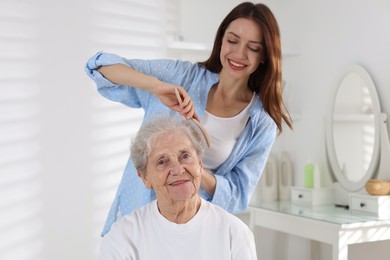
x,y
242,49
173,168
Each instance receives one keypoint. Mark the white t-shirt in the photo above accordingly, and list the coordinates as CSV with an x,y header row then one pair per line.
x,y
223,133
213,234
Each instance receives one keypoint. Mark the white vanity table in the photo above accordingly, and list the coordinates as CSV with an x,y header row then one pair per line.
x,y
328,224
358,149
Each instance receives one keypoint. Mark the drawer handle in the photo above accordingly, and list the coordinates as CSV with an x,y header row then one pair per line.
x,y
300,196
362,204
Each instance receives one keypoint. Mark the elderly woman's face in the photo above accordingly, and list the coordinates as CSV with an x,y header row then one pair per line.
x,y
173,168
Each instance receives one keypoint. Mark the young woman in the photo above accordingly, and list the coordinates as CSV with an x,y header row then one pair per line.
x,y
236,94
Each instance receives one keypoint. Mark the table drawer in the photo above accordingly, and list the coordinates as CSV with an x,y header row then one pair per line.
x,y
364,204
301,196
376,205
311,197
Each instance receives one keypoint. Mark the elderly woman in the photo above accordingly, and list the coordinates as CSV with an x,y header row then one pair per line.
x,y
179,224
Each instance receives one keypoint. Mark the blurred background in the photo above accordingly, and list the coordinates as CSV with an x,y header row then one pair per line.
x,y
63,147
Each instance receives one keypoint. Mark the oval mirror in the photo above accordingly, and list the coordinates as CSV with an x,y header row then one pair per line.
x,y
353,128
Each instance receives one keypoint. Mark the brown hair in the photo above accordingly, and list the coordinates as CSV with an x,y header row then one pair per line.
x,y
266,81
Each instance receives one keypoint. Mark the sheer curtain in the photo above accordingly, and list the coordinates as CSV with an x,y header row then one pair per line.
x,y
63,147
21,205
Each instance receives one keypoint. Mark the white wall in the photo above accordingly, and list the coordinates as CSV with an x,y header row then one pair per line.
x,y
328,35
78,144
63,147
45,186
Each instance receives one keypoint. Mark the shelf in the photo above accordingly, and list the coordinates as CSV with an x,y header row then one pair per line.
x,y
354,118
197,47
193,47
288,52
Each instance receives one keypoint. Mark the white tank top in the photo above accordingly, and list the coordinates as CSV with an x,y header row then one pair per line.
x,y
224,133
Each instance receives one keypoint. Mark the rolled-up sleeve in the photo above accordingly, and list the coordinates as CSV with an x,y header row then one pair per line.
x,y
124,94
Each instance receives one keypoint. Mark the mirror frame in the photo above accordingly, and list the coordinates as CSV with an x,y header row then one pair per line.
x,y
330,147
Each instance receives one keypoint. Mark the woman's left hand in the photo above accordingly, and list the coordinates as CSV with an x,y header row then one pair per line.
x,y
167,96
186,104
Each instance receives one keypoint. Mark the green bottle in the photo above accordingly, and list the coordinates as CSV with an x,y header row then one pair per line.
x,y
309,175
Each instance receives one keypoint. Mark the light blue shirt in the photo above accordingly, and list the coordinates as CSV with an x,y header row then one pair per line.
x,y
236,177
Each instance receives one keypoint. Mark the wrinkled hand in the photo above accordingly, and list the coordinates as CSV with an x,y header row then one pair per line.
x,y
166,94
